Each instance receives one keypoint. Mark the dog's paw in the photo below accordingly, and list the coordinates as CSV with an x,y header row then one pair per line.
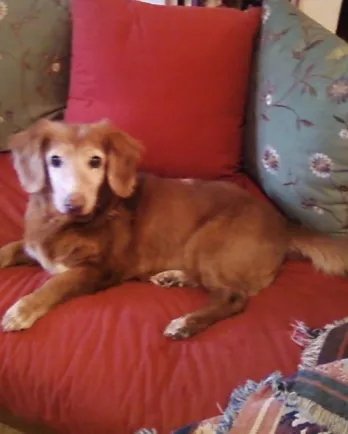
x,y
22,315
170,278
179,328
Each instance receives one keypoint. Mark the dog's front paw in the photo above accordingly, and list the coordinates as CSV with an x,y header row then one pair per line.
x,y
23,314
170,278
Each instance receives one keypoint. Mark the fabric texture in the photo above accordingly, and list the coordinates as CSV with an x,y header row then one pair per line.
x,y
265,410
312,401
322,345
34,62
297,126
322,394
321,385
161,75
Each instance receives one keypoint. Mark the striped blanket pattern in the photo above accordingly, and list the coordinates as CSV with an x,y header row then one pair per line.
x,y
312,401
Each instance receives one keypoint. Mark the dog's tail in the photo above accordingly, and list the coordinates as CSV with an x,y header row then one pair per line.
x,y
328,254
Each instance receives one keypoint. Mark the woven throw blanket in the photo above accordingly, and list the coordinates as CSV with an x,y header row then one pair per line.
x,y
322,393
312,401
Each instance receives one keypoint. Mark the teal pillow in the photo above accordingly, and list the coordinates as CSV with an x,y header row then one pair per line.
x,y
34,62
297,121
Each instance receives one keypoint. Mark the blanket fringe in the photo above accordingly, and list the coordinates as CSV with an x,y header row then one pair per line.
x,y
312,340
336,424
146,431
239,397
301,334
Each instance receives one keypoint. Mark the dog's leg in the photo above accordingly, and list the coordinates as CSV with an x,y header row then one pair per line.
x,y
225,305
27,310
170,278
14,254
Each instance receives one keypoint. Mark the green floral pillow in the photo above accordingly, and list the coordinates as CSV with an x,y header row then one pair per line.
x,y
34,57
297,123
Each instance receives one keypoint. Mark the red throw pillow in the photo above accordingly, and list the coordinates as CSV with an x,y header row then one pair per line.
x,y
173,77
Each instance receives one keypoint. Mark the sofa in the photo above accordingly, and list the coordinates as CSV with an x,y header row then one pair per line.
x,y
100,364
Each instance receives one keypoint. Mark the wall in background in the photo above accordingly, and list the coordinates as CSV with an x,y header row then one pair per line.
x,y
325,12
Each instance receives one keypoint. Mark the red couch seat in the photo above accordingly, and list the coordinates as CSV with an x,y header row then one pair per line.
x,y
99,364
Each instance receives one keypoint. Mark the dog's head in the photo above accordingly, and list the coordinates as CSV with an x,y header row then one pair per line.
x,y
74,161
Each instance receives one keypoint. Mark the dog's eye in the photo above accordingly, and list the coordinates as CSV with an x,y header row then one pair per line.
x,y
95,162
56,161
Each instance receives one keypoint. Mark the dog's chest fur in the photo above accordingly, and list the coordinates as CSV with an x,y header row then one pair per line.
x,y
36,252
59,244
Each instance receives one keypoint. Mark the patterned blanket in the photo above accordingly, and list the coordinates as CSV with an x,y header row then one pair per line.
x,y
312,401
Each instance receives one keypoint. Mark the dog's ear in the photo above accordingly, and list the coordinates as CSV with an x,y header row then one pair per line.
x,y
28,159
124,154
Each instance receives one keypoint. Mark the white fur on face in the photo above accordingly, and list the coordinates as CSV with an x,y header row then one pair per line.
x,y
75,175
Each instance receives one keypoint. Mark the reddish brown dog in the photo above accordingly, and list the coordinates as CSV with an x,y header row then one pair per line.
x,y
92,221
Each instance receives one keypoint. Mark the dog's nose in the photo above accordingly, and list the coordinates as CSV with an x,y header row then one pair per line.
x,y
74,203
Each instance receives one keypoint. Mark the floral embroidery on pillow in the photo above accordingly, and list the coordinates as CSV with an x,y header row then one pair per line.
x,y
34,62
271,160
311,204
301,82
338,90
321,165
266,13
3,10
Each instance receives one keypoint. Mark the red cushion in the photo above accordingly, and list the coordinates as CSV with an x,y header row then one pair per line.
x,y
173,77
99,364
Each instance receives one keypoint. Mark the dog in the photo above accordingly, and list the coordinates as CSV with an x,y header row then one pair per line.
x,y
93,221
